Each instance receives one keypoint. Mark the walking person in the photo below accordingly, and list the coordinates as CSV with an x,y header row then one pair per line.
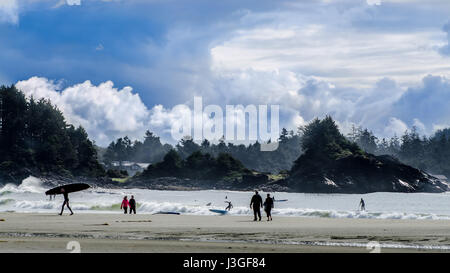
x,y
256,204
66,202
268,206
362,204
125,204
132,203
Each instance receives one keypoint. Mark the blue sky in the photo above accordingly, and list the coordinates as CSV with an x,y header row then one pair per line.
x,y
119,67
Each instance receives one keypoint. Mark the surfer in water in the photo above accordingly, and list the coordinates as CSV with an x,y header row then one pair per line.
x,y
362,204
132,203
268,206
230,206
66,202
125,204
256,204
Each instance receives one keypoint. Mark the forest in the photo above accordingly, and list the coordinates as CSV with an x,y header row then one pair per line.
x,y
35,138
431,154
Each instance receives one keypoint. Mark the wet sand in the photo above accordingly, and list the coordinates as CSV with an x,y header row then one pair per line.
x,y
31,232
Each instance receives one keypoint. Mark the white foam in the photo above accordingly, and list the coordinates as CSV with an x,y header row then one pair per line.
x,y
29,197
30,184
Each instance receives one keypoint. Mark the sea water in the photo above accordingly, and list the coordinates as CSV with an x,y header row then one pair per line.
x,y
30,196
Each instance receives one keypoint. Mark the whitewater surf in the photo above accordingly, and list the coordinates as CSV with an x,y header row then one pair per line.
x,y
29,196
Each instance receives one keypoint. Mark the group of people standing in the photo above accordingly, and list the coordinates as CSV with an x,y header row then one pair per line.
x,y
128,204
256,203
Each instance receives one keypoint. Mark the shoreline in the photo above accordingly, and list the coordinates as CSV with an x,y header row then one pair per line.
x,y
100,232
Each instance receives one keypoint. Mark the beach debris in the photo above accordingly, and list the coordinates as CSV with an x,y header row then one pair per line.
x,y
2,220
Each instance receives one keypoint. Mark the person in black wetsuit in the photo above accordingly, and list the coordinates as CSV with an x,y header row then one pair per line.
x,y
268,206
66,202
230,206
132,203
256,204
362,204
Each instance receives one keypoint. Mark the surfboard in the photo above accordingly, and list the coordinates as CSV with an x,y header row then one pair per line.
x,y
219,211
168,212
282,200
68,188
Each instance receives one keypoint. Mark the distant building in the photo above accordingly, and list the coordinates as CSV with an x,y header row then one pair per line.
x,y
131,167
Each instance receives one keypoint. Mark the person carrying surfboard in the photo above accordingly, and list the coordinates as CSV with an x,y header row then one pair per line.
x,y
125,204
256,204
66,201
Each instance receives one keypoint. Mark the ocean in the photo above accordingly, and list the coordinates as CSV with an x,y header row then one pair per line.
x,y
30,196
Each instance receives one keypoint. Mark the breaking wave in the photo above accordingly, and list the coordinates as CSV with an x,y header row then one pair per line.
x,y
28,185
155,207
29,197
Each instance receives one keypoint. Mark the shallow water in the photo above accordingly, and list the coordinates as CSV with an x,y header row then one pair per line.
x,y
30,197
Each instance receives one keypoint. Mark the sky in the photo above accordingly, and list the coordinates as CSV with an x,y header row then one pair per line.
x,y
119,67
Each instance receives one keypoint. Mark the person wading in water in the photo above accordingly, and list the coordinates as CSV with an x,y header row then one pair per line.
x,y
362,204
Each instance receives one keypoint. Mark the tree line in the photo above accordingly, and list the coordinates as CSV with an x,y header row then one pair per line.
x,y
431,154
151,150
35,136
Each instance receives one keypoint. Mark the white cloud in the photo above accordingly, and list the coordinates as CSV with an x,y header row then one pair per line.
x,y
99,47
67,2
421,128
437,127
104,111
329,44
73,2
374,2
9,11
395,127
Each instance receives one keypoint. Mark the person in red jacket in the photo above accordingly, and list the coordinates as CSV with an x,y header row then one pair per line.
x,y
125,204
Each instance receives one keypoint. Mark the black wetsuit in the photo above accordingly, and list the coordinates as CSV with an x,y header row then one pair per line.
x,y
66,202
132,205
363,205
256,203
268,205
229,207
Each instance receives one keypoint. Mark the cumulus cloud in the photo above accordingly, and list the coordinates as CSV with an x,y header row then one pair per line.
x,y
349,59
334,42
420,127
374,2
108,113
427,102
445,50
104,111
9,11
99,47
395,127
67,2
73,2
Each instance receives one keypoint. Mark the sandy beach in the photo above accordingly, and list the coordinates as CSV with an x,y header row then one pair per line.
x,y
26,232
